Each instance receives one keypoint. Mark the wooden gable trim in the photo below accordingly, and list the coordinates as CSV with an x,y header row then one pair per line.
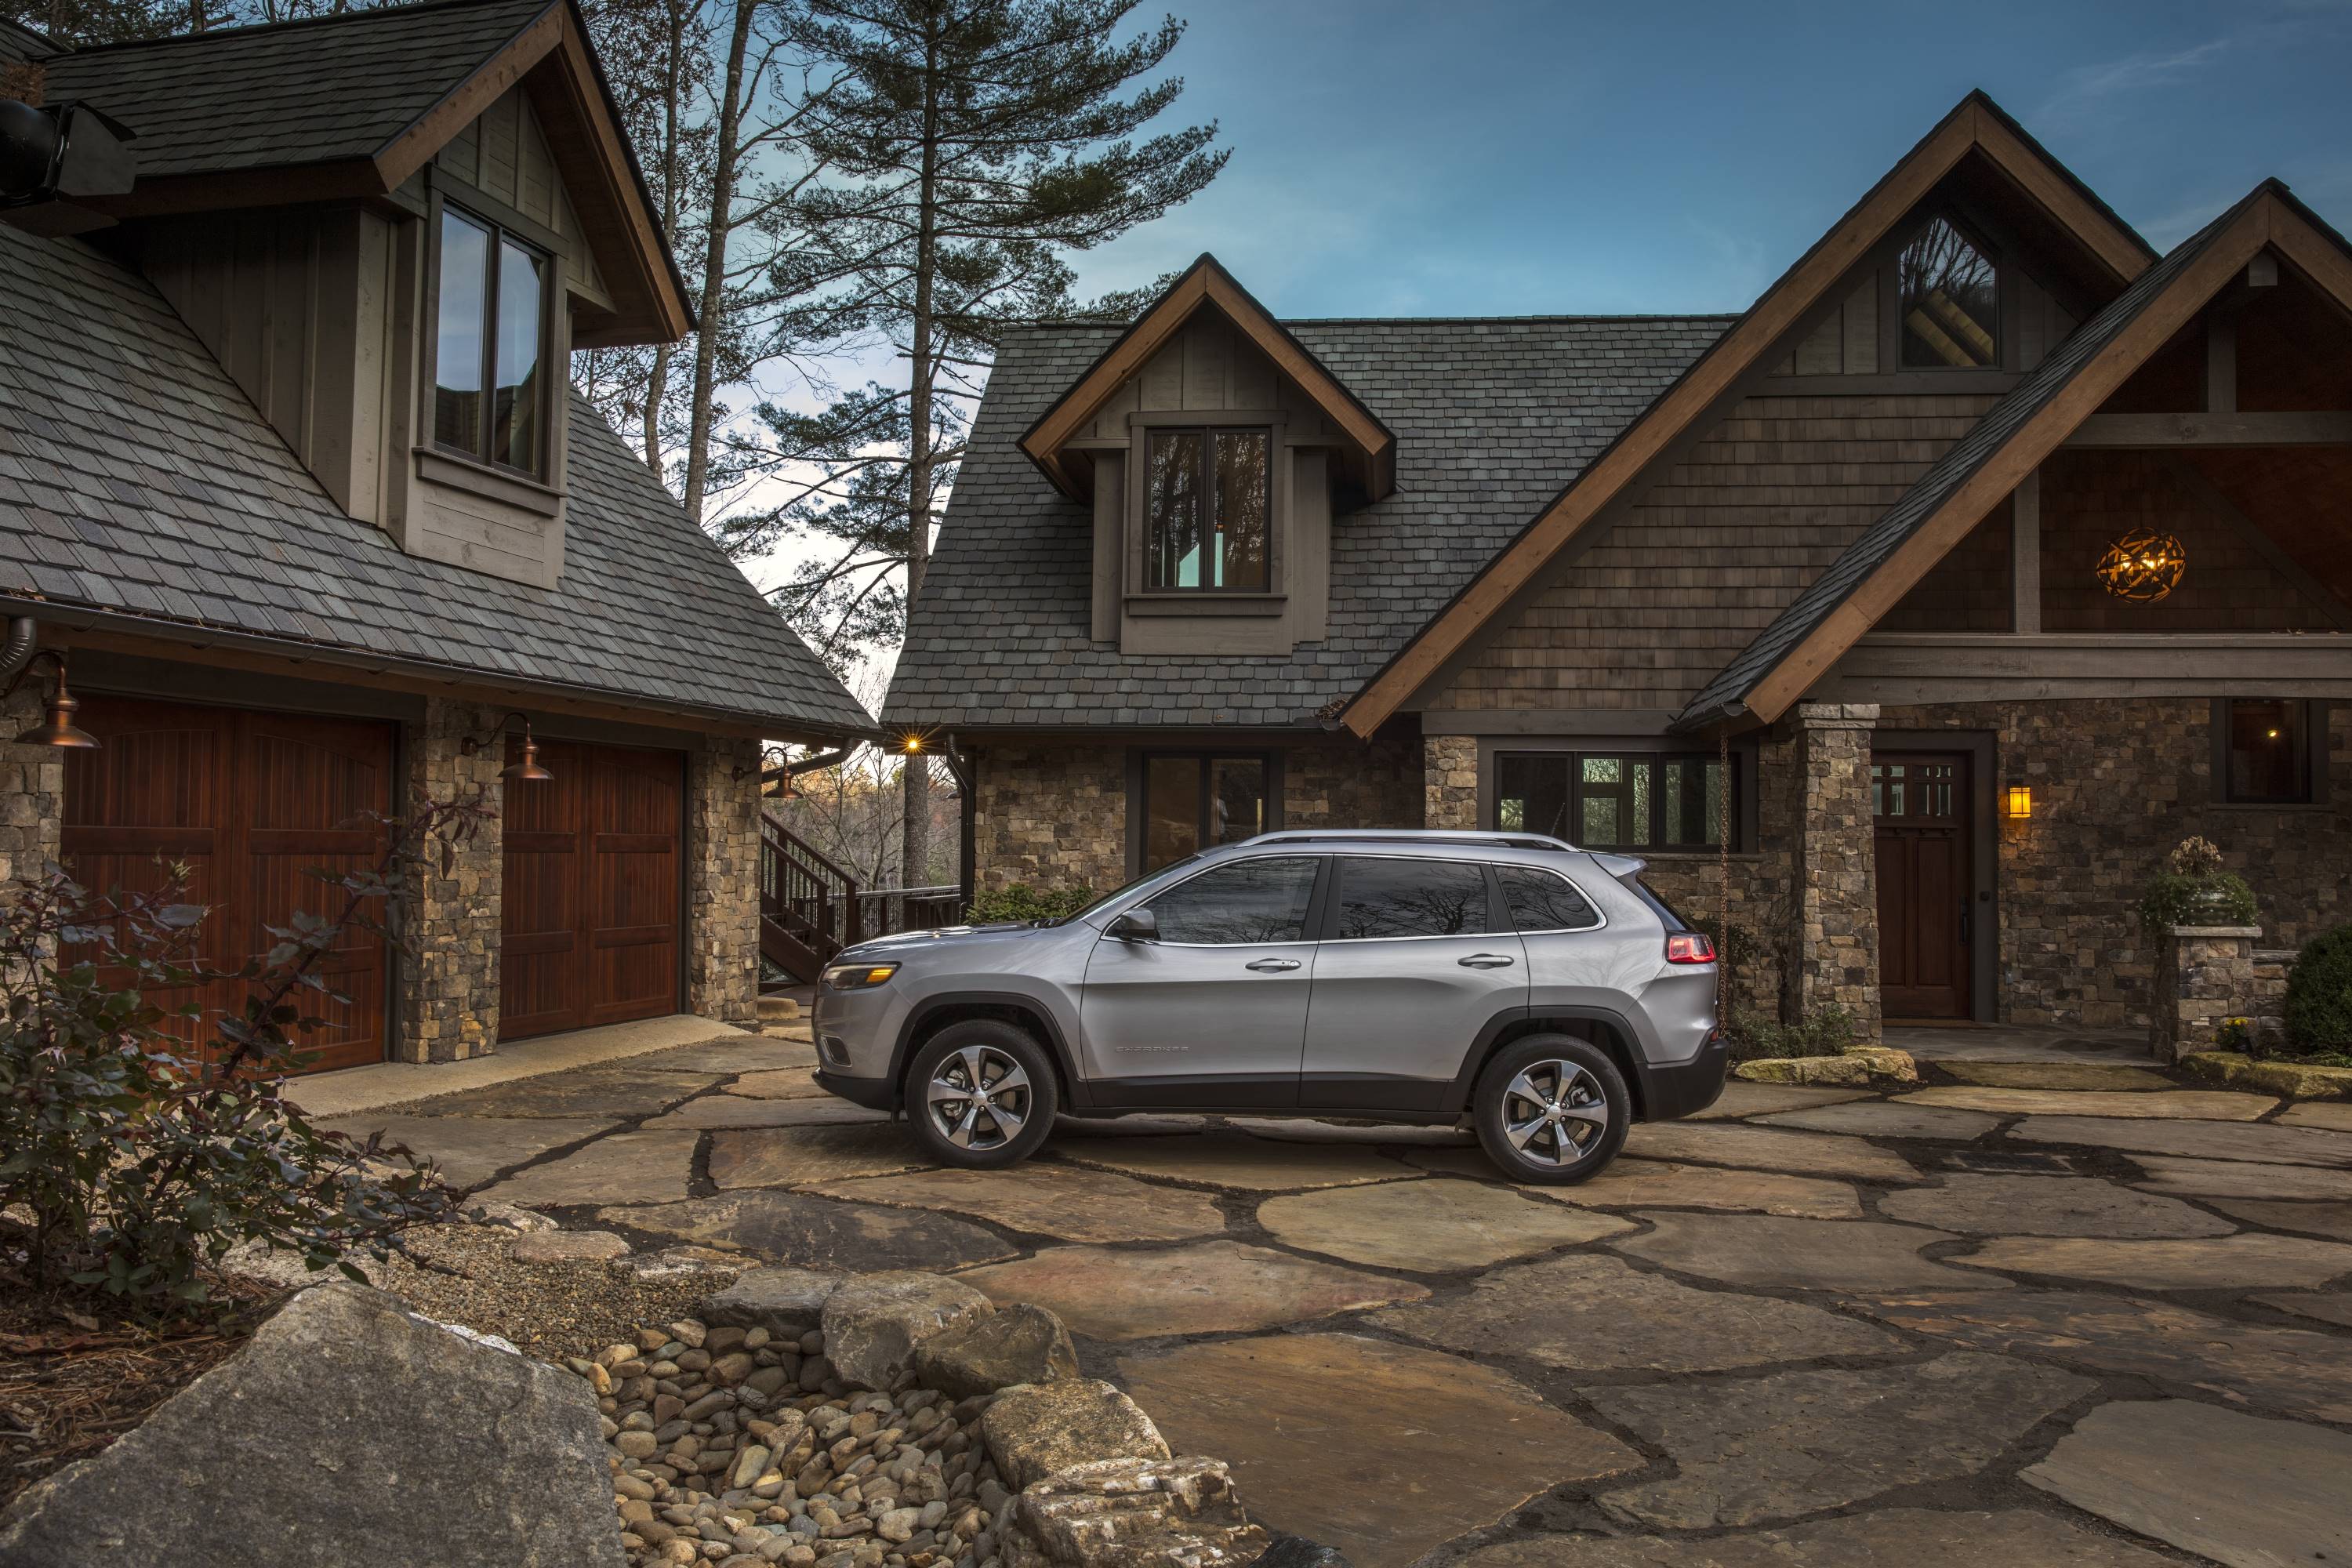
x,y
1975,125
413,148
2024,451
1205,283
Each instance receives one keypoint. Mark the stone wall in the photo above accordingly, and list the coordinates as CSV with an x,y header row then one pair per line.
x,y
1836,924
1449,780
447,987
1050,817
1353,785
1761,878
32,788
2116,783
723,879
2203,975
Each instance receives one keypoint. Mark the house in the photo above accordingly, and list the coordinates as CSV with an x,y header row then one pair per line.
x,y
293,488
1911,615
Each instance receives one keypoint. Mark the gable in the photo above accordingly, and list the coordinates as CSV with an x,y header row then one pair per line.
x,y
503,153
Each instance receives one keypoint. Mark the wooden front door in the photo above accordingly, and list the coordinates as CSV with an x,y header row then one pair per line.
x,y
1920,803
253,804
592,890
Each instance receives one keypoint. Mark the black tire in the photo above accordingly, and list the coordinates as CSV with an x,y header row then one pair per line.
x,y
948,1060
1594,1088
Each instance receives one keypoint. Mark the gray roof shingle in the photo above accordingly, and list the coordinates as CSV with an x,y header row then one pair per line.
x,y
315,92
1492,418
136,477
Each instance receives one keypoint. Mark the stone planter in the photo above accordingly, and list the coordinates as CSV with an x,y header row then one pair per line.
x,y
2203,975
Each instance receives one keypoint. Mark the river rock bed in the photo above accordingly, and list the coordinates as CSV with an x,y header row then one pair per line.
x,y
732,1447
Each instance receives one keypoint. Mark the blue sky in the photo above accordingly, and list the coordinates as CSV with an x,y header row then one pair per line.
x,y
1476,157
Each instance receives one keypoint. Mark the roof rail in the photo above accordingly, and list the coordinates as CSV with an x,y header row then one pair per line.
x,y
1411,836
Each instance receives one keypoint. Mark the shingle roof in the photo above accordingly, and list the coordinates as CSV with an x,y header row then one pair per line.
x,y
317,91
19,44
1821,598
1492,418
135,476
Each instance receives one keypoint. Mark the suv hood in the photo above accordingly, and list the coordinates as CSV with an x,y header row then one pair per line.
x,y
900,943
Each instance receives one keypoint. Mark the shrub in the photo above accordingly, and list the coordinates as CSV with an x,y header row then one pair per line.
x,y
1021,904
2319,994
1824,1032
139,1157
2193,890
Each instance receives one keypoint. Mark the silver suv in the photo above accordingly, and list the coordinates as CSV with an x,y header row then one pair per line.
x,y
1539,989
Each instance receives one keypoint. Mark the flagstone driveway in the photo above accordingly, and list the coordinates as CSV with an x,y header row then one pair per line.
x,y
2025,1314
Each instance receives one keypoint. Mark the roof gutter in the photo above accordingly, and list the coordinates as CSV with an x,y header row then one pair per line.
x,y
75,617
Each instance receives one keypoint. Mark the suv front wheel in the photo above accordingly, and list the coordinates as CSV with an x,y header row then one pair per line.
x,y
1551,1109
981,1094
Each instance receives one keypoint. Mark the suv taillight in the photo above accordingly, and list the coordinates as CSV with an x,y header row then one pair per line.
x,y
1690,947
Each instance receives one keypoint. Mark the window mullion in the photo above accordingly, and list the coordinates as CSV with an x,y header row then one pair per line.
x,y
1212,566
488,420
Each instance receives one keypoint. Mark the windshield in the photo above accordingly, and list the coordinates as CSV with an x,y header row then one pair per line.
x,y
1119,892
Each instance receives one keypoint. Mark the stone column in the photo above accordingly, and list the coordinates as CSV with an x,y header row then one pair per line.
x,y
32,789
1836,869
2203,975
723,879
1450,782
448,980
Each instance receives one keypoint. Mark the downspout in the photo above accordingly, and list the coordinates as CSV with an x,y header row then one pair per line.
x,y
23,632
968,818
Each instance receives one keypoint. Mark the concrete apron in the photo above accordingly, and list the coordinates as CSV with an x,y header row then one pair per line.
x,y
352,1090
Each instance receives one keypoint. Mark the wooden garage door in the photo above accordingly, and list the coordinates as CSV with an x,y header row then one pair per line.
x,y
592,890
252,803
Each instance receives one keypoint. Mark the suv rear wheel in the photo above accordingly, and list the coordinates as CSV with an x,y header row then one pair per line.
x,y
981,1094
1551,1109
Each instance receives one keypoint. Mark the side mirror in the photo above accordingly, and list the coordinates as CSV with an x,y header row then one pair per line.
x,y
1135,925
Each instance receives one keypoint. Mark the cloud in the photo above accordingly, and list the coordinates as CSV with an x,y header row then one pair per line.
x,y
2089,90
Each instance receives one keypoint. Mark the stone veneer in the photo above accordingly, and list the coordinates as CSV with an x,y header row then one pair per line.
x,y
2203,975
723,879
1836,925
32,788
1449,780
448,984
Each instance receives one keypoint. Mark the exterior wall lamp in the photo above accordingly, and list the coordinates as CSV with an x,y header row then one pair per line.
x,y
2142,566
58,728
525,771
2017,801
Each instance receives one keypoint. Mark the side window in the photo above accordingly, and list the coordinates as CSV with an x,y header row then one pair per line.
x,y
1384,897
1247,902
1539,901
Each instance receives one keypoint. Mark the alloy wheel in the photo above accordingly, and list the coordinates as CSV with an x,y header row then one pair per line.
x,y
979,1099
1554,1114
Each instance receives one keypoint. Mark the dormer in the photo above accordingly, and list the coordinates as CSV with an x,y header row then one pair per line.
x,y
391,234
1215,451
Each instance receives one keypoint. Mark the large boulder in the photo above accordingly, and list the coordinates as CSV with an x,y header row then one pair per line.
x,y
874,1322
787,1302
348,1433
1020,1343
1133,1513
1039,1428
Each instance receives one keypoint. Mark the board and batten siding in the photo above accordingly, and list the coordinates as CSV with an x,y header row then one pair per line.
x,y
504,154
1855,337
1725,539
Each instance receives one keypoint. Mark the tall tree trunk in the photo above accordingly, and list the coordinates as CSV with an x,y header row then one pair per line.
x,y
714,263
658,382
916,851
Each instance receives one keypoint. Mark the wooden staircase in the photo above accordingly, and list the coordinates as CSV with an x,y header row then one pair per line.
x,y
810,908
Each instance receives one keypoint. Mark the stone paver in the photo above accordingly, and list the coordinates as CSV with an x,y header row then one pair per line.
x,y
2048,1206
2226,1263
1236,1160
472,1149
1777,1254
2290,1371
736,1054
628,1167
799,1156
1588,1313
1741,1098
2271,1145
1757,1449
2266,1493
2016,1539
780,1083
1769,1149
2055,1075
717,1110
1381,1450
1429,1226
1661,1183
818,1233
2214,1179
2168,1104
1881,1119
1049,1200
2331,1309
2331,1220
623,1090
1211,1287
2335,1115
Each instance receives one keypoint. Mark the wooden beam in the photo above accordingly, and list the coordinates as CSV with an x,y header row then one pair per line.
x,y
1110,373
430,131
2218,429
2025,555
1959,666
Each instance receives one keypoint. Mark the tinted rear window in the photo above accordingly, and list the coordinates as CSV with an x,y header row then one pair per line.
x,y
1381,897
1543,901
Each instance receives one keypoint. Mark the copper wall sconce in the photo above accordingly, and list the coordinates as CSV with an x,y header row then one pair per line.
x,y
525,770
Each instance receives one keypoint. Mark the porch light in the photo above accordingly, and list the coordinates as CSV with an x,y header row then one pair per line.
x,y
56,728
2017,801
526,770
2142,566
912,745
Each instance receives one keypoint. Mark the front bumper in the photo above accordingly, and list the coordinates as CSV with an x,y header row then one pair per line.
x,y
1684,1089
873,1093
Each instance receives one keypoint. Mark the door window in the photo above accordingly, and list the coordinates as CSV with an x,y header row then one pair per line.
x,y
1248,903
1384,897
1541,900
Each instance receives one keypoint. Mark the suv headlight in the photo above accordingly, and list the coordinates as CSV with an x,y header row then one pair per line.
x,y
857,976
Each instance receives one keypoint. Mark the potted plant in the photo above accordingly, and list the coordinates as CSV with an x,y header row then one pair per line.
x,y
2193,890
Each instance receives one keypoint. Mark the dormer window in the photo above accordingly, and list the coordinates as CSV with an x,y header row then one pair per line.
x,y
488,390
1948,301
1207,510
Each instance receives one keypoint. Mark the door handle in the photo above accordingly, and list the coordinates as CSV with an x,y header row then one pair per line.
x,y
1272,965
1486,961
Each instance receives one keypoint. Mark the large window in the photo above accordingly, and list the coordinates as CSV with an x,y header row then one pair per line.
x,y
1206,502
1247,901
1948,301
1380,896
1601,800
490,386
1192,803
2267,751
